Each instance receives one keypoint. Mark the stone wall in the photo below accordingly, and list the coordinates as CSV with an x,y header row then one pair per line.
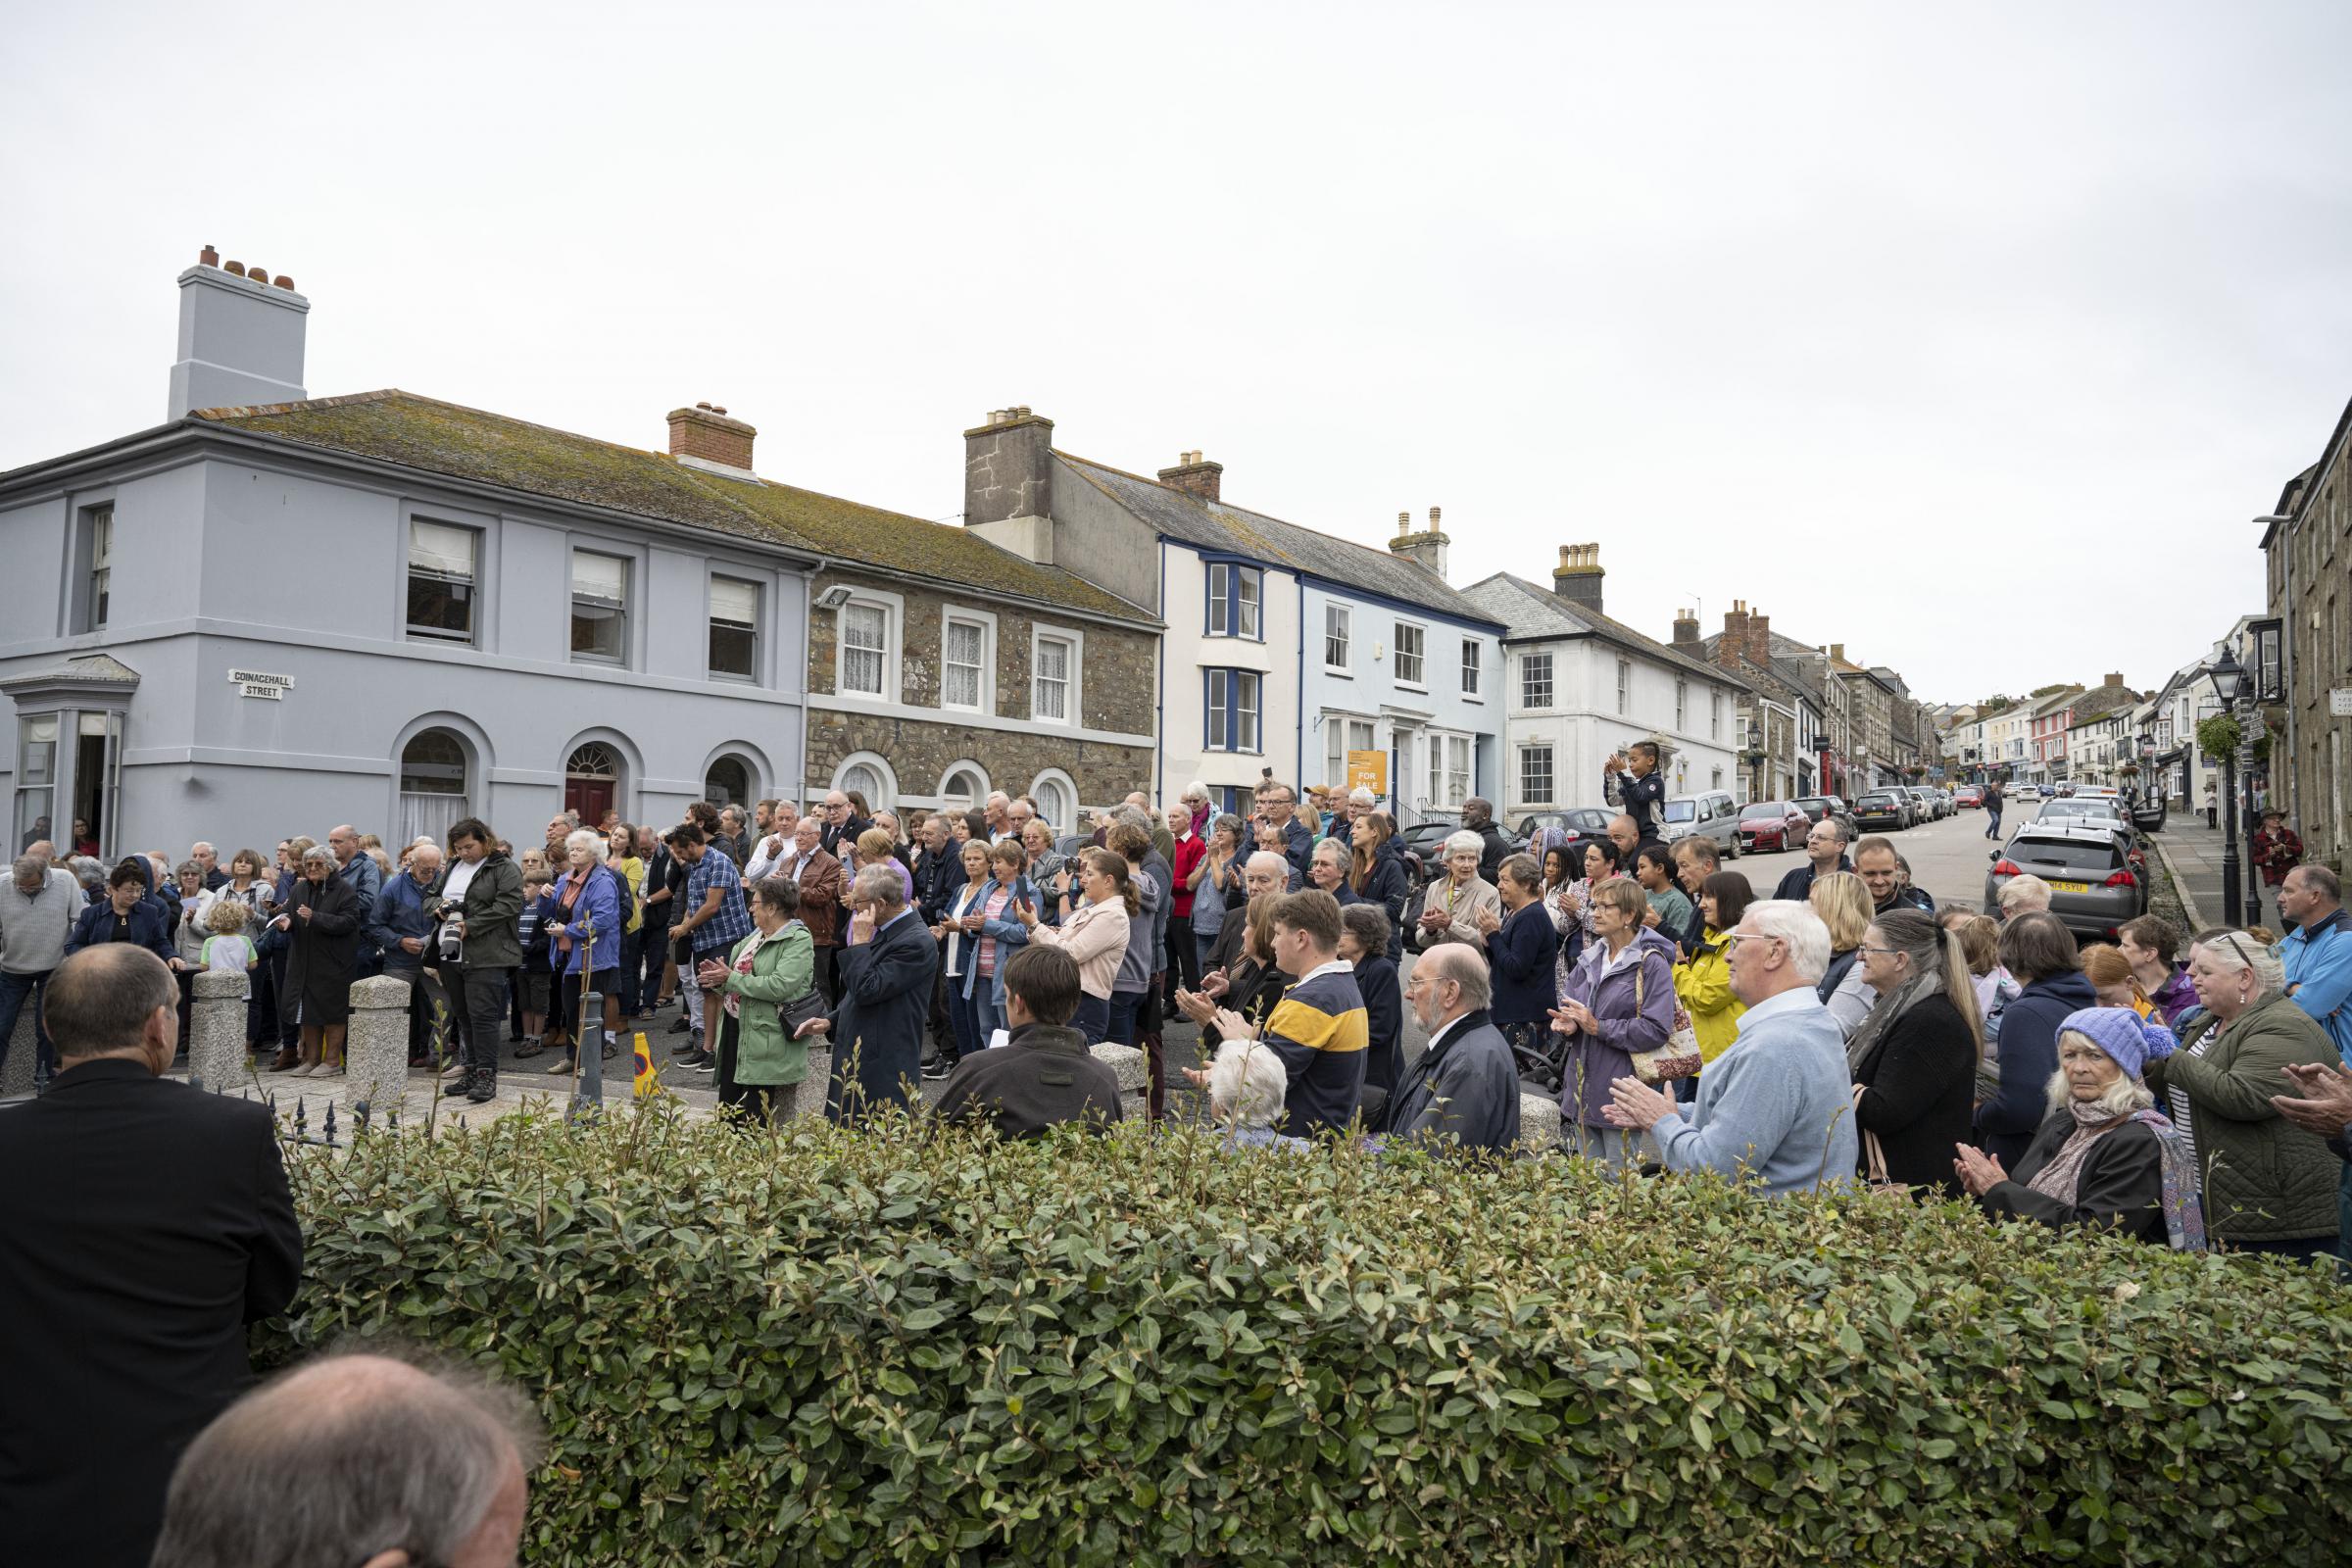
x,y
1115,687
920,753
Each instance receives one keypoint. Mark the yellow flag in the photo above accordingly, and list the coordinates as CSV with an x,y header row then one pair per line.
x,y
646,1082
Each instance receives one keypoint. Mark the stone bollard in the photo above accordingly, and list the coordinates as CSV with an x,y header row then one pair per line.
x,y
809,1095
375,1049
217,1034
1134,1071
16,1073
1540,1124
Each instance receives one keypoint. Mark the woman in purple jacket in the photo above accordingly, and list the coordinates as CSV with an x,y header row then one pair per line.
x,y
1615,999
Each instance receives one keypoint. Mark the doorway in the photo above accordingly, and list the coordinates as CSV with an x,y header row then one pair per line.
x,y
592,782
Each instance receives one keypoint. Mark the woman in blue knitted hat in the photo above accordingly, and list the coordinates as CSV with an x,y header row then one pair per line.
x,y
2103,1157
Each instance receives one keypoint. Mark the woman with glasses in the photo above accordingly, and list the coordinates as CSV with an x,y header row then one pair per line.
x,y
1702,983
2039,954
2267,1185
1914,1060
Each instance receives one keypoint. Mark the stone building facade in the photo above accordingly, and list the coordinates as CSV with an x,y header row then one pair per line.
x,y
2307,546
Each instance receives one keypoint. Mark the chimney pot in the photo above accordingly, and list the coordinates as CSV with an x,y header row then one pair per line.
x,y
285,282
702,405
235,268
1434,513
1404,523
720,409
1195,477
208,256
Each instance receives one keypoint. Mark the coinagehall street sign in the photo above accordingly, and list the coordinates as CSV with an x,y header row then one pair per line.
x,y
256,683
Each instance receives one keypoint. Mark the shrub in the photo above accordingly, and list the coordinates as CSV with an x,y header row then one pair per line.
x,y
833,1347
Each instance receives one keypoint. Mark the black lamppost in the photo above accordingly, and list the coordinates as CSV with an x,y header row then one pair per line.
x,y
2235,688
1755,757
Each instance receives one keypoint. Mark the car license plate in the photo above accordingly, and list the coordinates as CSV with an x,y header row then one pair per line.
x,y
2069,887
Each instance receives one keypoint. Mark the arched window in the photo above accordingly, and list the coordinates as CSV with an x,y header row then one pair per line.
x,y
870,774
592,781
728,783
963,789
1056,802
432,785
866,782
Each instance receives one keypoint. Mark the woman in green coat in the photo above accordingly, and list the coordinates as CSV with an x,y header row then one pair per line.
x,y
2268,1186
775,966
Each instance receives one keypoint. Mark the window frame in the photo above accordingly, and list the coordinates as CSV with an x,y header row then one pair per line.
x,y
97,578
1222,711
985,622
710,622
1223,601
1073,680
1527,701
1473,669
1344,636
629,579
1625,686
471,582
1417,680
1528,754
892,607
1681,704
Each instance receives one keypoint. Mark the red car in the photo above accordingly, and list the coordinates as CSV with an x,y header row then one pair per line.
x,y
1966,795
1774,825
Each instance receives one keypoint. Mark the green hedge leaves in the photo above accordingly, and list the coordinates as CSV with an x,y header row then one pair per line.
x,y
828,1346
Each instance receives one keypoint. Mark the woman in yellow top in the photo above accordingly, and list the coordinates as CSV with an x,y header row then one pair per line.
x,y
620,858
1702,983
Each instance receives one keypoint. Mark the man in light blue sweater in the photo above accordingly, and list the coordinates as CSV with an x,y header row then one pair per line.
x,y
1777,1107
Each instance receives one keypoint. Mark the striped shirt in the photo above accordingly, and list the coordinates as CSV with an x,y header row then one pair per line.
x,y
1320,1031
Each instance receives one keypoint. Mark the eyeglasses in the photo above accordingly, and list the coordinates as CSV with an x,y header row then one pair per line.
x,y
1735,938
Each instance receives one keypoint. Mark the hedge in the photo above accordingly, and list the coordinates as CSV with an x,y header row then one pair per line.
x,y
833,1347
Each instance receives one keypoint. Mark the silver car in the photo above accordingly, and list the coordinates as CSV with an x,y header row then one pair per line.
x,y
2096,882
1712,815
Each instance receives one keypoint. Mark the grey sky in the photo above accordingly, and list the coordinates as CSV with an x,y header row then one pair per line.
x,y
1968,336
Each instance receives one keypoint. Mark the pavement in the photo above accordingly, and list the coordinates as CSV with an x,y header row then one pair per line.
x,y
2193,854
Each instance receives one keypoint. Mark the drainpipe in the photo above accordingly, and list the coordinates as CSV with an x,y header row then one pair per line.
x,y
800,784
1159,697
1300,786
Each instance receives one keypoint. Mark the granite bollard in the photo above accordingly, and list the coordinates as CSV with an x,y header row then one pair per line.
x,y
217,1033
16,1073
375,1049
1539,1123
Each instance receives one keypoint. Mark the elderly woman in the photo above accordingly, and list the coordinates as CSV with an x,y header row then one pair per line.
x,y
1914,1058
2103,1159
1247,1086
1843,903
1045,862
1327,869
1615,1001
1451,901
321,920
2267,1185
581,924
768,971
2039,950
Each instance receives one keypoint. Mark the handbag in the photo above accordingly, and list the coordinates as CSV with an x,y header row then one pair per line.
x,y
1874,1158
1678,1056
808,1004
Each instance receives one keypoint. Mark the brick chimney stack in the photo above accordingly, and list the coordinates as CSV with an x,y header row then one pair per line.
x,y
1427,547
1837,652
1578,577
1759,638
2113,678
1686,628
1195,477
1731,646
704,437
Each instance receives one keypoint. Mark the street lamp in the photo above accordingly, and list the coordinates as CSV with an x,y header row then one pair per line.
x,y
2235,689
1755,757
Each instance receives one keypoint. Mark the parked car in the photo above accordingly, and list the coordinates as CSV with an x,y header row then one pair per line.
x,y
1423,843
1968,797
2066,792
1817,807
1925,803
1709,815
1582,823
2095,886
1882,810
1773,825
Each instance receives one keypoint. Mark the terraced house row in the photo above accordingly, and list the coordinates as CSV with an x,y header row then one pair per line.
x,y
387,609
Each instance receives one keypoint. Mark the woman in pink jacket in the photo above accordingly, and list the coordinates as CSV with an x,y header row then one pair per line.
x,y
1093,931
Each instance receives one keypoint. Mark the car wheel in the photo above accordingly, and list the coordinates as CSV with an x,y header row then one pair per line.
x,y
1735,854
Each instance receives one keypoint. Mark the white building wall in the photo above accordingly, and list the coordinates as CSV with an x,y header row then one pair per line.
x,y
1584,726
1435,723
1190,653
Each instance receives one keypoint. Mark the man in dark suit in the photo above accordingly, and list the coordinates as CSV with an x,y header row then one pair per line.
x,y
154,1225
885,993
1463,1091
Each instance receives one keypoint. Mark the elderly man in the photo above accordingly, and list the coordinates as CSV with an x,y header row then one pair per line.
x,y
155,1226
1464,1090
1881,868
878,1023
1263,874
37,910
842,824
1776,1108
1278,805
1478,816
358,867
2027,894
1018,816
401,926
208,859
1327,869
426,1464
1825,852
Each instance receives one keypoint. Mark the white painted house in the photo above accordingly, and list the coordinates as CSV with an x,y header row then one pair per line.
x,y
1579,685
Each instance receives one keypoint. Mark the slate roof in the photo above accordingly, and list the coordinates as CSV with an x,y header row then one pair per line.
x,y
436,437
1217,525
104,667
1532,610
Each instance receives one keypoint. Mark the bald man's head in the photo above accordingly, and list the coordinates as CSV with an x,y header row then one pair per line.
x,y
362,1459
1266,872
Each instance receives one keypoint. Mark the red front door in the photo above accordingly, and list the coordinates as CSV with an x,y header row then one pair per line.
x,y
591,798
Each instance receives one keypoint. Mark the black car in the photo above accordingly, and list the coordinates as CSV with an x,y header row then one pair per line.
x,y
1424,844
1582,823
1817,807
1883,809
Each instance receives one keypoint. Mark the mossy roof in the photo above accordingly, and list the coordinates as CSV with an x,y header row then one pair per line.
x,y
443,438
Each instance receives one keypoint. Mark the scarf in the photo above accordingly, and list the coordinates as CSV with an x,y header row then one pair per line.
x,y
742,966
2062,1177
1891,1007
573,885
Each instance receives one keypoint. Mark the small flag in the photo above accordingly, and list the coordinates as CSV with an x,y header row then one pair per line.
x,y
647,1082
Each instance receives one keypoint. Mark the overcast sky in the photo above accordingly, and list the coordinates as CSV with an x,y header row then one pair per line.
x,y
1969,336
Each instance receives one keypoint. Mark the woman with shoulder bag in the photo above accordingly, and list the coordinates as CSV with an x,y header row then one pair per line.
x,y
768,989
1616,1002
